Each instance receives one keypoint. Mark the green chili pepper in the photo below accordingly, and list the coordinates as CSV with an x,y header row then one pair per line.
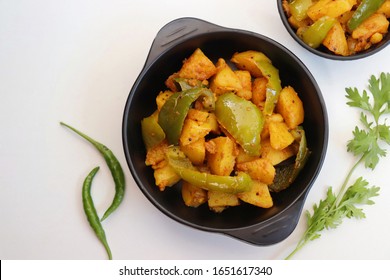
x,y
184,168
286,174
115,168
174,111
315,34
365,9
90,211
242,119
152,133
298,8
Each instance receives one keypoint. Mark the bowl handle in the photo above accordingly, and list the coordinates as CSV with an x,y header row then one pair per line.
x,y
176,31
278,229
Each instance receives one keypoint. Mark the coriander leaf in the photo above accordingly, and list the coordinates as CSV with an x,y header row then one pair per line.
x,y
379,89
364,120
384,133
357,100
372,156
366,142
367,145
360,143
358,193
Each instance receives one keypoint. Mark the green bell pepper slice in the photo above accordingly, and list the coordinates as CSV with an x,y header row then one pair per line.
x,y
152,133
365,9
227,184
315,34
287,173
174,111
183,84
274,85
242,119
298,8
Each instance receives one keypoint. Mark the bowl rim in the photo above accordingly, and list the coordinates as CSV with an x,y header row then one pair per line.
x,y
328,55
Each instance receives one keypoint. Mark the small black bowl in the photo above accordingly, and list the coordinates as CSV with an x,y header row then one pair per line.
x,y
177,41
323,51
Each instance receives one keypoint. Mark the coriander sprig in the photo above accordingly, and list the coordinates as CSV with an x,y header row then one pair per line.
x,y
368,146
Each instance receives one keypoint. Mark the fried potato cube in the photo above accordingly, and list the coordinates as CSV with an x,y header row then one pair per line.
x,y
330,8
221,155
165,177
336,41
247,61
243,156
193,196
195,151
259,169
156,154
162,97
225,80
273,155
193,131
268,120
198,66
213,122
246,83
197,115
290,106
376,38
218,201
376,23
259,195
385,9
259,90
279,135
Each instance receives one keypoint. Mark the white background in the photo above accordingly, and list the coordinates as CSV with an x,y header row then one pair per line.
x,y
76,61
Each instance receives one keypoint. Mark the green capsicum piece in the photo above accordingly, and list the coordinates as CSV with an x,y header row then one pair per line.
x,y
365,9
242,119
315,34
287,173
274,85
152,133
261,66
227,184
298,8
183,84
174,111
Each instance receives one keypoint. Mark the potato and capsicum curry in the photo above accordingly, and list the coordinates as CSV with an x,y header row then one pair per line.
x,y
228,131
344,27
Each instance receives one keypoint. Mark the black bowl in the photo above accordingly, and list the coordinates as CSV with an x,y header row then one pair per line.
x,y
323,51
175,42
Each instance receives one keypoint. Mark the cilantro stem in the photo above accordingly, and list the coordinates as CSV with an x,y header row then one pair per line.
x,y
301,243
329,213
309,233
344,187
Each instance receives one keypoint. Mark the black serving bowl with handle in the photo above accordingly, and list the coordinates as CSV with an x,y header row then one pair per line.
x,y
322,51
176,41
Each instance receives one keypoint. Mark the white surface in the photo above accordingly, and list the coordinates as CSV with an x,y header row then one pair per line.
x,y
76,61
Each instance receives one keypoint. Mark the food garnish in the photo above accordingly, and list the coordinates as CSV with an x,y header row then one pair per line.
x,y
368,146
